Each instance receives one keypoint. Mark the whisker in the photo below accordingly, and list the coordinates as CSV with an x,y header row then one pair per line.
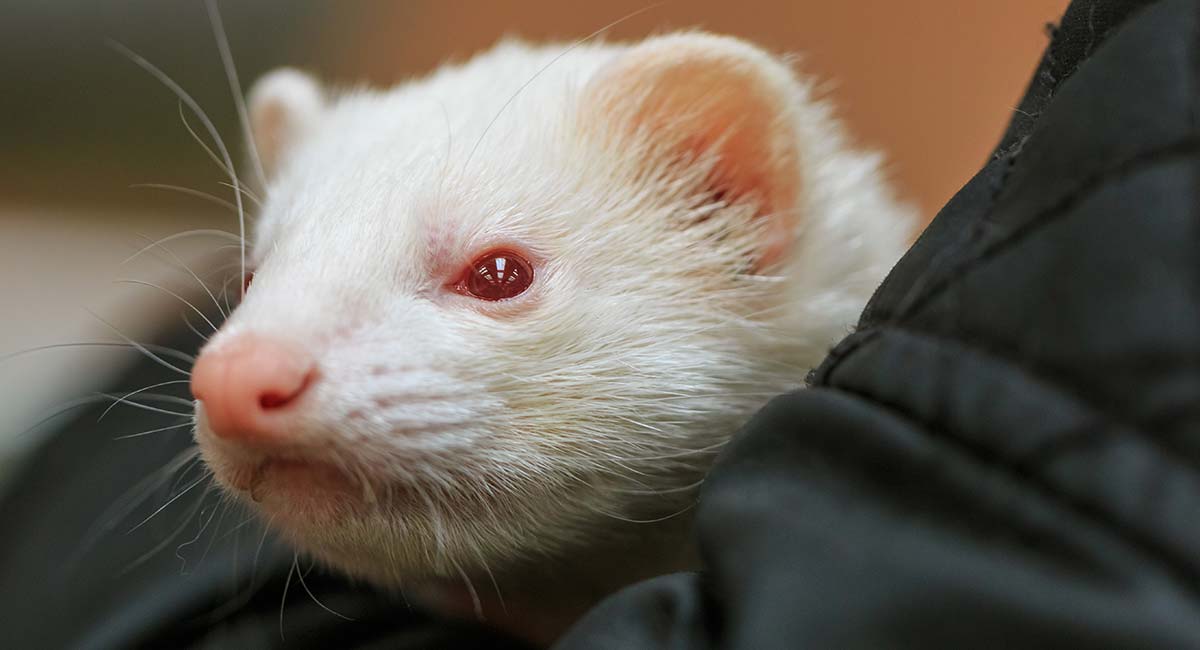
x,y
258,551
190,326
318,601
183,96
476,603
188,191
203,527
212,156
124,505
140,390
224,508
225,295
235,88
649,521
173,499
154,397
200,141
158,430
190,272
169,293
283,601
141,348
144,407
166,541
211,232
492,577
246,192
163,350
59,410
245,522
684,488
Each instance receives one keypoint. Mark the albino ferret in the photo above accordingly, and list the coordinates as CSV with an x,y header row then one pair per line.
x,y
503,318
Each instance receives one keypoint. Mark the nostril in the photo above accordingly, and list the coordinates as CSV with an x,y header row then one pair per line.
x,y
274,399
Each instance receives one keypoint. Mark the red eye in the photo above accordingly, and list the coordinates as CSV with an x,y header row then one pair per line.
x,y
246,280
497,275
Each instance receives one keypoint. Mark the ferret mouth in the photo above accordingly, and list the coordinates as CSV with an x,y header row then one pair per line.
x,y
297,481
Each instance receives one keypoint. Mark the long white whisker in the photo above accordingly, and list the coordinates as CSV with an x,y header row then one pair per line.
x,y
188,191
166,541
169,293
163,350
125,504
200,141
195,277
258,550
649,521
684,488
146,407
173,499
194,330
61,409
158,430
213,232
245,522
199,533
212,156
245,192
140,390
283,601
235,88
476,603
491,576
225,507
183,96
318,601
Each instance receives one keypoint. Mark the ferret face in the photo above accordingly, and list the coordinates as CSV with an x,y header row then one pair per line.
x,y
481,329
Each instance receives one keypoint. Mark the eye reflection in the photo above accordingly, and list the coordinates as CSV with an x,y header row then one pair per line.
x,y
498,275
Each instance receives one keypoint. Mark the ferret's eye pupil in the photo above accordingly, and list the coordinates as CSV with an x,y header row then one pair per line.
x,y
498,275
246,280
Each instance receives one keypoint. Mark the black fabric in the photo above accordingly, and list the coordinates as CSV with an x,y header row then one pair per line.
x,y
1005,454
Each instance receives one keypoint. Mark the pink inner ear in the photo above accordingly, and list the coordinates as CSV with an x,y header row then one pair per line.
x,y
706,94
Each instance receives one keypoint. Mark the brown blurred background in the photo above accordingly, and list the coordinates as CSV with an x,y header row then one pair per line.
x,y
932,83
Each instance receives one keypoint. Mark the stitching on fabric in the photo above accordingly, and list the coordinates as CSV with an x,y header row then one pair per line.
x,y
1132,536
848,345
1131,166
1001,355
879,469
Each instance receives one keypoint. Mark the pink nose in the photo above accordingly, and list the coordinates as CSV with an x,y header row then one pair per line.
x,y
250,384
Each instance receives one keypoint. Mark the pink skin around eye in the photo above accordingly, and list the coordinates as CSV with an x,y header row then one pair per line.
x,y
498,271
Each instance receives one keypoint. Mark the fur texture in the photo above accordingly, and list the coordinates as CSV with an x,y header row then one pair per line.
x,y
700,233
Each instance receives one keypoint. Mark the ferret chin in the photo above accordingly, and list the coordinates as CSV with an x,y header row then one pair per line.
x,y
500,320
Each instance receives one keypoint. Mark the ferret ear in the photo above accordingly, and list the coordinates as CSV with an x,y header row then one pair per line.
x,y
284,106
699,94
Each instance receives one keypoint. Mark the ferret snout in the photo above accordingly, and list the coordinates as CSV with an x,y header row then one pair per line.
x,y
250,384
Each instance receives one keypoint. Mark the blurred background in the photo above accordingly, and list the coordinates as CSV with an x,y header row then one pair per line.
x,y
932,83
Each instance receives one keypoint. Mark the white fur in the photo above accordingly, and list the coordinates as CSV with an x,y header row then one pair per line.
x,y
487,433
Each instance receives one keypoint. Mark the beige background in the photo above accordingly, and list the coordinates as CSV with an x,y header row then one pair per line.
x,y
931,82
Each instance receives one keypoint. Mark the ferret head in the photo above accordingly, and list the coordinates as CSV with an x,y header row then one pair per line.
x,y
498,312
